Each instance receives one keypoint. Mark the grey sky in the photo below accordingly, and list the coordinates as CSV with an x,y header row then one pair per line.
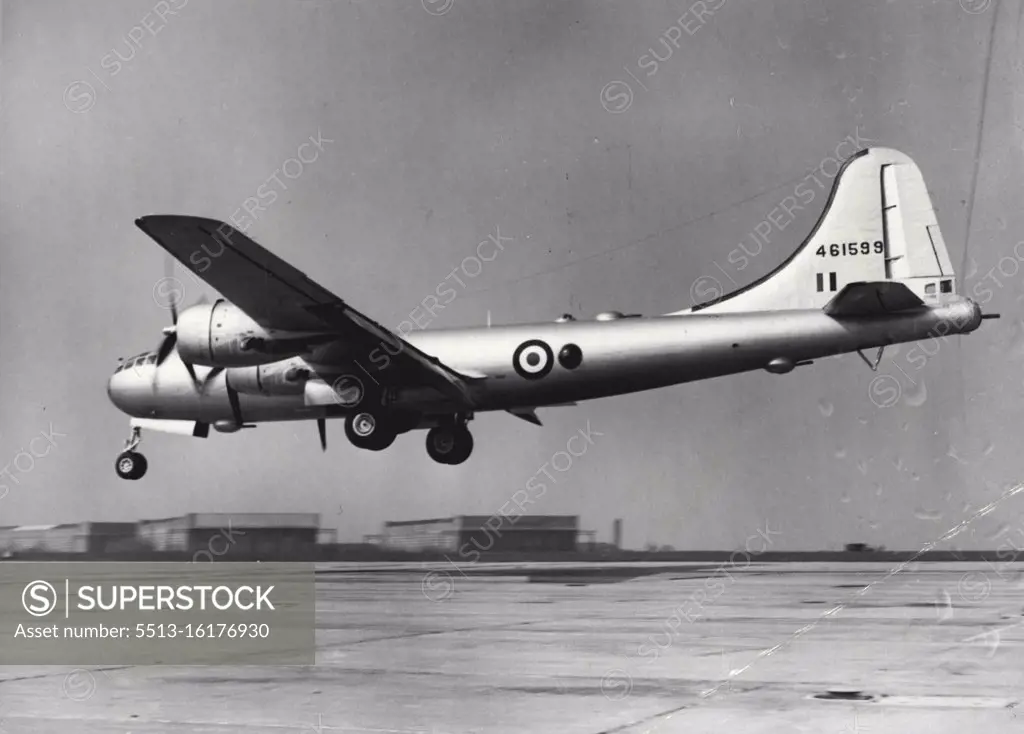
x,y
448,126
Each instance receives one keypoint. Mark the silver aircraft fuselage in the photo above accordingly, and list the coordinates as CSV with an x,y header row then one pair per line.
x,y
622,356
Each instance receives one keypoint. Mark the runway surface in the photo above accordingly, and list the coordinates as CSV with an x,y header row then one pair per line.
x,y
934,647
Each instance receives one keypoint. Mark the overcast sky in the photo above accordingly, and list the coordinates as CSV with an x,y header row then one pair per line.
x,y
448,120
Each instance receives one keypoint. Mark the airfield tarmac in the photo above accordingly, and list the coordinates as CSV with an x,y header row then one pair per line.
x,y
936,647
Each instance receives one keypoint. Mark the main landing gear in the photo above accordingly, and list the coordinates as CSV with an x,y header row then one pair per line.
x,y
448,443
371,431
130,464
371,425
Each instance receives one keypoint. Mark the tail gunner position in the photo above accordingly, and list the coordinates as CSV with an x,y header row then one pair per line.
x,y
278,347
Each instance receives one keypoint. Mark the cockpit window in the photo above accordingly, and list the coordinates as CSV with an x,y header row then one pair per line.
x,y
137,361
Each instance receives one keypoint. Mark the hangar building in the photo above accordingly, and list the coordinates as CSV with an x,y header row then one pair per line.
x,y
211,536
484,533
79,537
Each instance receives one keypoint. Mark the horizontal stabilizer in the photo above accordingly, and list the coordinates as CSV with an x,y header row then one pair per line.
x,y
872,299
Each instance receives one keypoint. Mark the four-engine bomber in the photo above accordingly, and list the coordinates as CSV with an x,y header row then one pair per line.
x,y
874,271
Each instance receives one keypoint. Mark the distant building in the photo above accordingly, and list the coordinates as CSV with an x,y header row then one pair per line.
x,y
79,537
862,548
213,536
327,536
441,534
484,533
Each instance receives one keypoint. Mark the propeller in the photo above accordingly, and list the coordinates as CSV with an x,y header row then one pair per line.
x,y
171,339
171,332
210,377
321,426
236,409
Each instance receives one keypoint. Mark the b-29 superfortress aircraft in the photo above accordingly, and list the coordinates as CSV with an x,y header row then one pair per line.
x,y
278,347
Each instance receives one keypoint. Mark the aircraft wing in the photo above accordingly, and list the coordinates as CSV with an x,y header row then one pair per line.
x,y
872,299
277,296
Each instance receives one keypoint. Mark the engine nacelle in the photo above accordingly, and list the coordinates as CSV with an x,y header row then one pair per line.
x,y
222,335
279,378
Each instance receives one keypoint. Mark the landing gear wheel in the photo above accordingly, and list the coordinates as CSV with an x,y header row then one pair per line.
x,y
449,444
368,431
130,465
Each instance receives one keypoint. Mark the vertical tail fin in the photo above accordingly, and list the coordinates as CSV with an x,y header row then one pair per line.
x,y
878,225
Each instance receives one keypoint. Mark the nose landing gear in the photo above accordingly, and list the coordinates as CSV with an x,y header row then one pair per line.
x,y
130,464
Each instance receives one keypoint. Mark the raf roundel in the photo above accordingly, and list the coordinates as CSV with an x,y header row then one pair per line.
x,y
533,359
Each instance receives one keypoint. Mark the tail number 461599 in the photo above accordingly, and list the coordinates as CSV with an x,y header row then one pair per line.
x,y
850,248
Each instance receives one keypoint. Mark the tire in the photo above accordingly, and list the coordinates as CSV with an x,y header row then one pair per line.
x,y
130,465
465,444
383,441
366,430
449,445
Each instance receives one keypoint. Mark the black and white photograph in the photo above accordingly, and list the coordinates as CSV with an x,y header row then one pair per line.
x,y
464,366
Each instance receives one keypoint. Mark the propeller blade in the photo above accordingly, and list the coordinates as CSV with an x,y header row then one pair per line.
x,y
166,347
210,377
321,426
191,373
173,296
236,409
